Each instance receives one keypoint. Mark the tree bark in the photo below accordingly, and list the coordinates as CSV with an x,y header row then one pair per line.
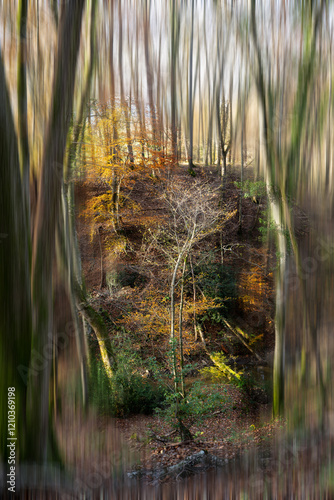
x,y
15,297
22,104
173,63
48,210
190,90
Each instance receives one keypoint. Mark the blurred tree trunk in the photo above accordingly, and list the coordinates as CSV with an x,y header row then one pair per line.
x,y
114,148
190,93
48,212
149,69
22,103
175,36
15,297
126,107
71,262
282,169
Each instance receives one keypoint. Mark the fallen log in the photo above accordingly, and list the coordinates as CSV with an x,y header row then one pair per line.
x,y
186,466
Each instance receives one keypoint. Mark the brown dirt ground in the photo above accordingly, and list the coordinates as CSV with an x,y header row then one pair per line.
x,y
224,434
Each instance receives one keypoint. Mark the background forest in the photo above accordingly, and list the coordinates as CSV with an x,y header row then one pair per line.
x,y
166,248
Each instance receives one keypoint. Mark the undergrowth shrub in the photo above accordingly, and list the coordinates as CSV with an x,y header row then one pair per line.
x,y
201,401
222,370
219,283
130,391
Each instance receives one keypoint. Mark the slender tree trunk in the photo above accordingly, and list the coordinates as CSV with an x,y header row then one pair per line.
x,y
54,8
22,103
194,298
115,192
242,164
125,107
180,330
82,112
181,256
223,147
280,314
172,316
72,264
101,259
149,72
71,258
173,63
230,119
191,106
72,272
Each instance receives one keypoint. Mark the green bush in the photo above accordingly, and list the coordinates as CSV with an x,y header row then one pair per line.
x,y
201,401
252,189
216,280
204,399
130,392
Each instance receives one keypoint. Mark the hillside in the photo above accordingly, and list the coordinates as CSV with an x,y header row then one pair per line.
x,y
128,276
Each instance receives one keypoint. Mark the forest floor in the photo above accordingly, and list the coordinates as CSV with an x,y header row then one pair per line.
x,y
226,434
243,422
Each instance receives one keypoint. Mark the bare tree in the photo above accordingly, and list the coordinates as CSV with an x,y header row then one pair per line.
x,y
194,214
